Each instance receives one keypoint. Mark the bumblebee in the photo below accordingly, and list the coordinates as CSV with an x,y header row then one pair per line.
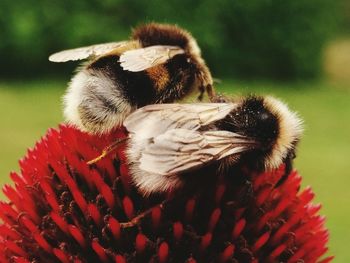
x,y
166,141
161,63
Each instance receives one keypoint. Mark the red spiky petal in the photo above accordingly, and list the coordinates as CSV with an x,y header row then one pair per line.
x,y
227,253
178,230
141,242
163,252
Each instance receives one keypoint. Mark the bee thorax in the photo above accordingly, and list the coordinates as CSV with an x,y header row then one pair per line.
x,y
267,121
253,120
162,34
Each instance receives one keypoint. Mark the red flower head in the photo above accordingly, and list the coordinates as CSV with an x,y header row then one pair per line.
x,y
63,210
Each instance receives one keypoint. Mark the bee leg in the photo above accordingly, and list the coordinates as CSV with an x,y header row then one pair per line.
x,y
137,219
110,148
201,93
210,91
288,168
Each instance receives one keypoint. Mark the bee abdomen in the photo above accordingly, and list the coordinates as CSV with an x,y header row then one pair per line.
x,y
94,102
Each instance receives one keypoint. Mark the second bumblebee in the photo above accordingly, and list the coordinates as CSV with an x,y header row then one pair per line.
x,y
160,64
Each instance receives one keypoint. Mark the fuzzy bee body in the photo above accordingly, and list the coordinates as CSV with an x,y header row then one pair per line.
x,y
257,131
160,64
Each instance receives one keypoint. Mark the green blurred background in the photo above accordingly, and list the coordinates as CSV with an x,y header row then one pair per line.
x,y
298,50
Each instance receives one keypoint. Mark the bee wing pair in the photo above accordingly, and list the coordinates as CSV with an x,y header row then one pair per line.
x,y
143,58
85,52
134,60
174,140
180,150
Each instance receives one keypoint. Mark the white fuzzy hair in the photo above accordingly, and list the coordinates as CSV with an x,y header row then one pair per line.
x,y
290,130
83,102
146,182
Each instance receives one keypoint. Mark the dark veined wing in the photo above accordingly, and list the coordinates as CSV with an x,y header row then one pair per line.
x,y
85,52
179,150
152,120
136,60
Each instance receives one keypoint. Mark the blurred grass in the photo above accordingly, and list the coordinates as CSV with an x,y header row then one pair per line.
x,y
28,109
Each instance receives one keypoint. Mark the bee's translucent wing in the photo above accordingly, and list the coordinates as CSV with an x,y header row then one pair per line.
x,y
180,150
85,52
153,120
143,58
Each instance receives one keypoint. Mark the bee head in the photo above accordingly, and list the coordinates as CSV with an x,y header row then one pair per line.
x,y
165,34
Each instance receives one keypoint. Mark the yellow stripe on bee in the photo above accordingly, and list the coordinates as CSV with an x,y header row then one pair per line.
x,y
159,76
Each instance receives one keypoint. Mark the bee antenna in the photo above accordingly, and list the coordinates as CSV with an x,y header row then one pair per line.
x,y
107,150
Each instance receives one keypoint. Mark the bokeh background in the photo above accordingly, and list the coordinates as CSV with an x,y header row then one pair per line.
x,y
296,50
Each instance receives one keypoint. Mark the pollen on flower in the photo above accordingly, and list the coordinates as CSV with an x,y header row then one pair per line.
x,y
61,209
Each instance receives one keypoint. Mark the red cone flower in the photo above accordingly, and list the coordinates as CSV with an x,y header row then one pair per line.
x,y
62,210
